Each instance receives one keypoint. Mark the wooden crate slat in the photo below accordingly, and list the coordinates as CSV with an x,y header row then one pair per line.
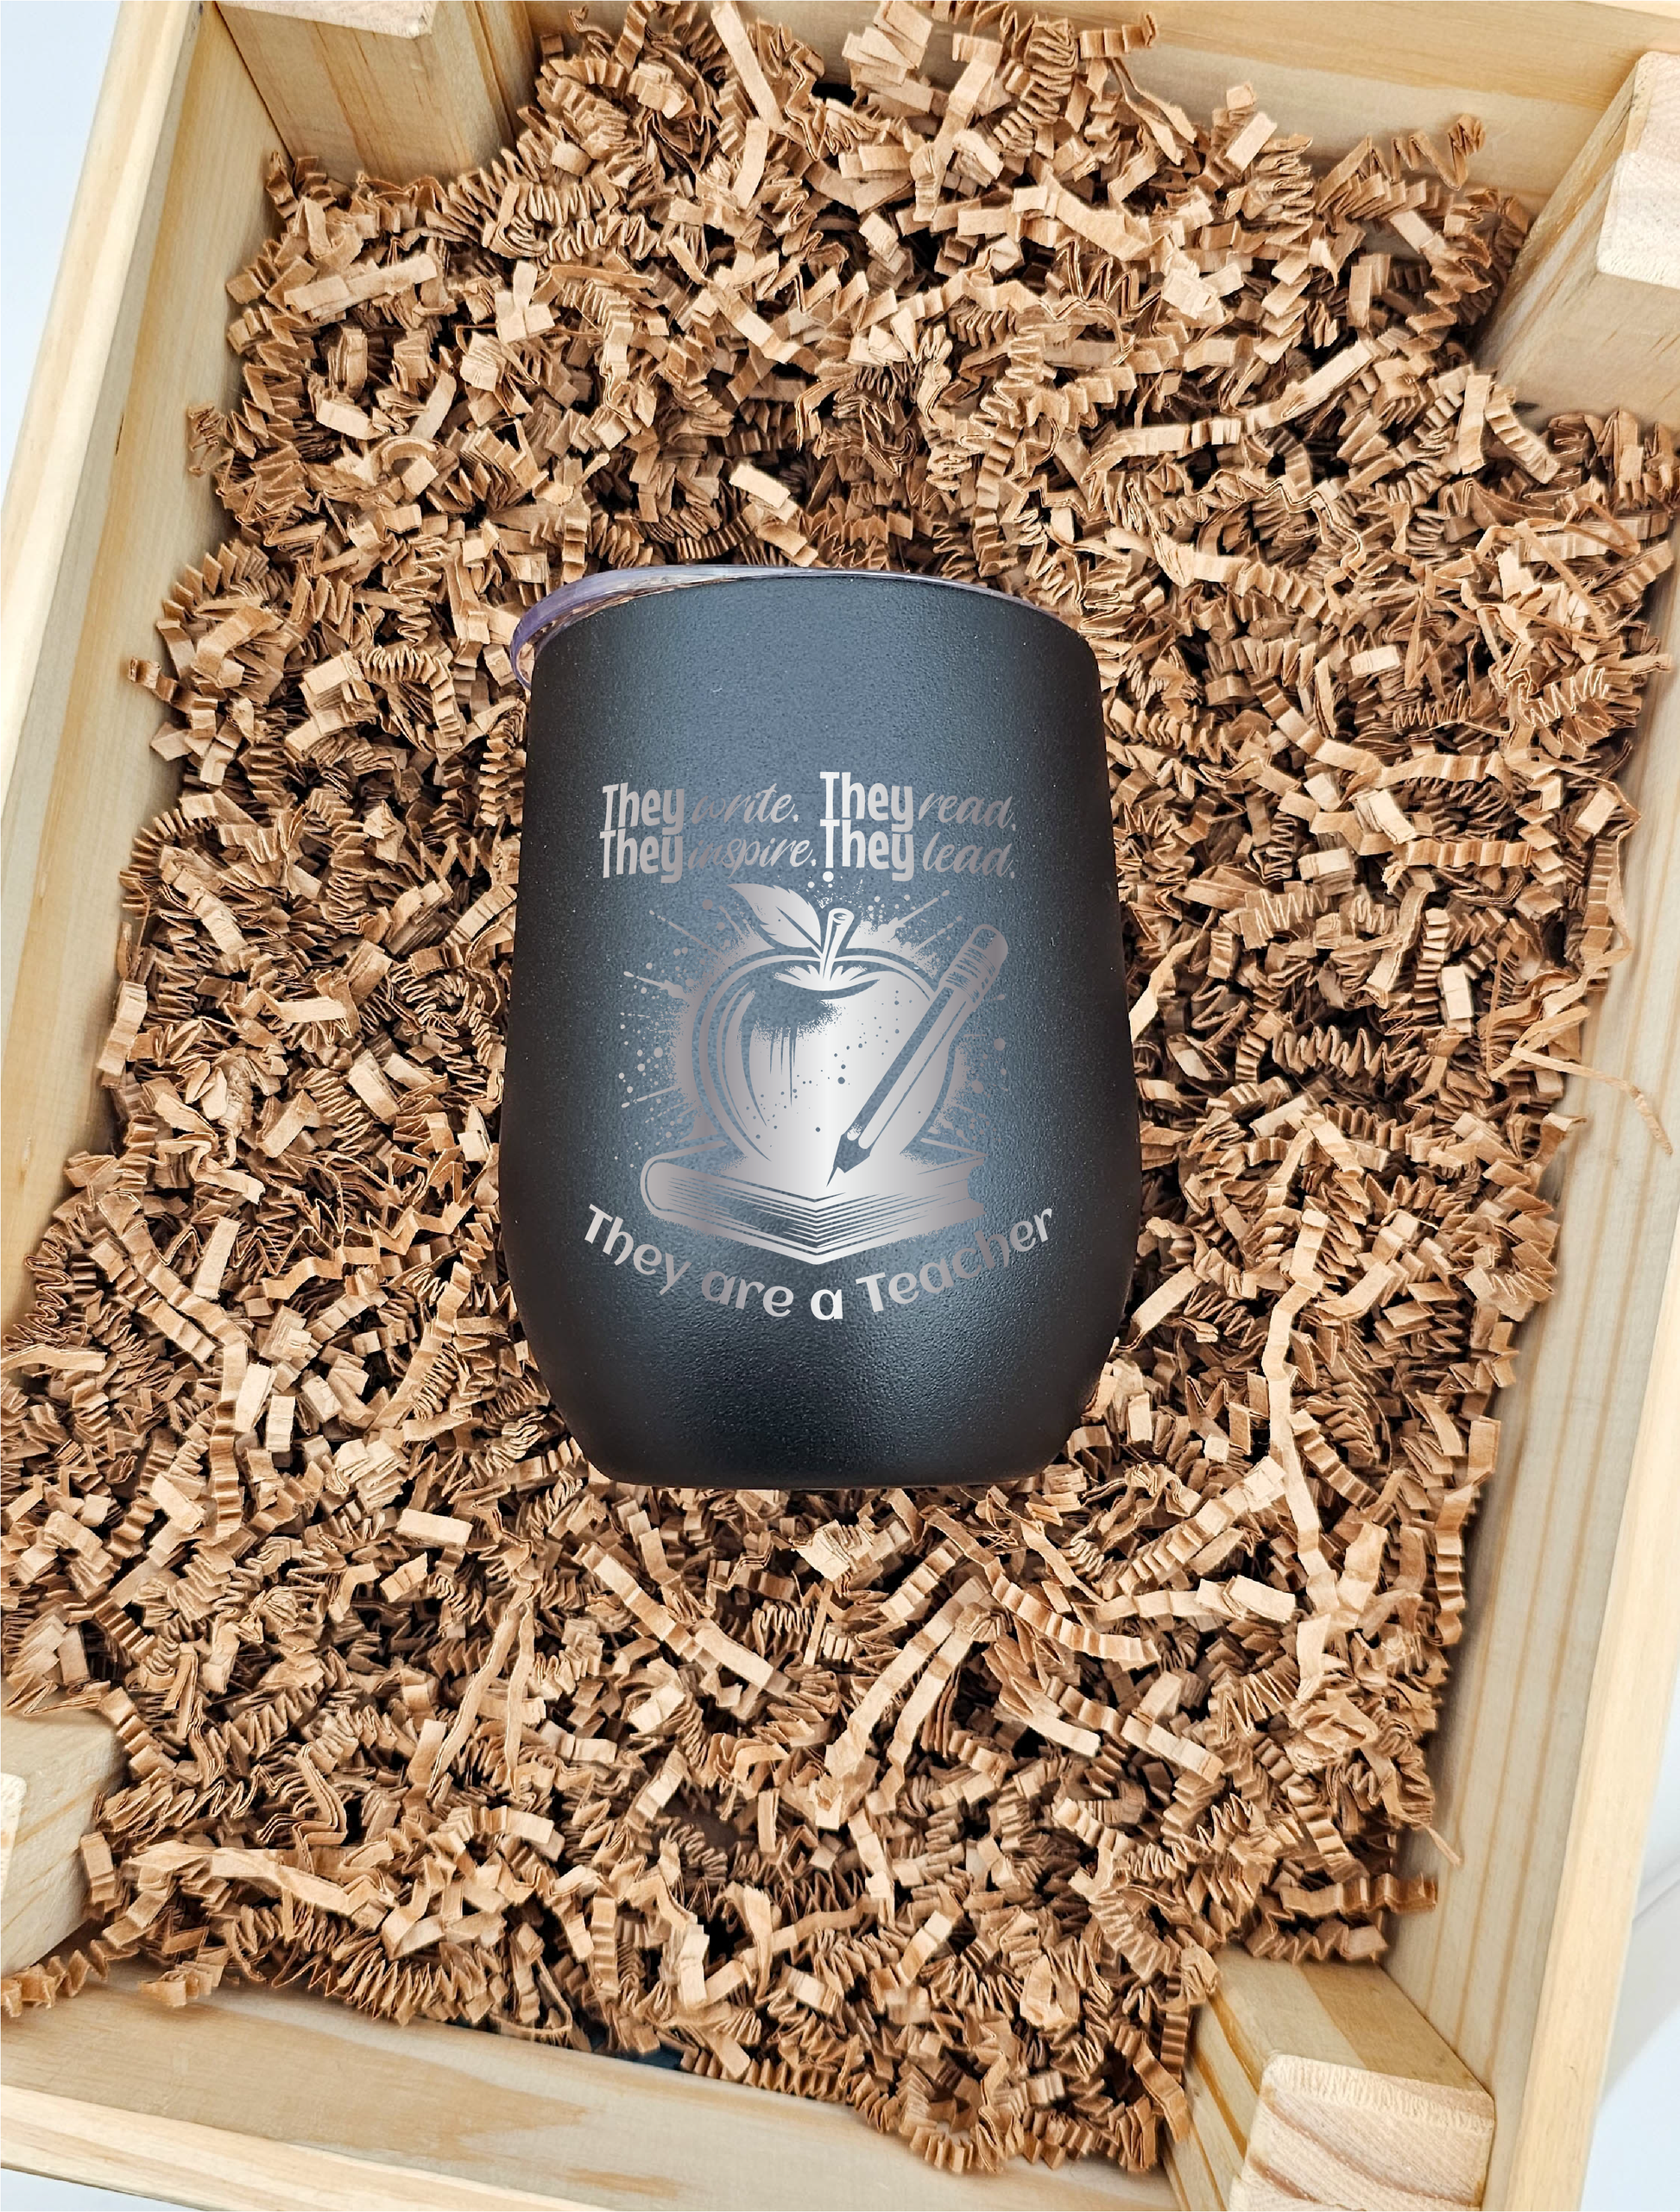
x,y
56,480
434,90
446,2101
215,2167
1547,1757
1621,1752
99,531
1569,1504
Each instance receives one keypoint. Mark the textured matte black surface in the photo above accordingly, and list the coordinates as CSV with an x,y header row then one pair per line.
x,y
628,989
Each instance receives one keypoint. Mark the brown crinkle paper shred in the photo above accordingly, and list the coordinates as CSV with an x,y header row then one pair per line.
x,y
942,1805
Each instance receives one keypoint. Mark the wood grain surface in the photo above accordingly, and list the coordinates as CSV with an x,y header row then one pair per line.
x,y
274,2067
1553,1734
432,90
1324,2084
227,2172
100,516
63,1762
1591,315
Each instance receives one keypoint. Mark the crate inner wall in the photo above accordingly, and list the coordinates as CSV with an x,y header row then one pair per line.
x,y
1485,1968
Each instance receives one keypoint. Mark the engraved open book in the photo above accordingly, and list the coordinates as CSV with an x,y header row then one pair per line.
x,y
907,1197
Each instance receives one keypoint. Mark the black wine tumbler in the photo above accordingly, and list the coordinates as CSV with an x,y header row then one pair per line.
x,y
819,1150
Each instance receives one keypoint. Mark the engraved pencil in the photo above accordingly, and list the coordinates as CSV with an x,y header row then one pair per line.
x,y
961,989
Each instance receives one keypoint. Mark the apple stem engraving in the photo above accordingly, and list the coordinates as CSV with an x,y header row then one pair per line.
x,y
835,933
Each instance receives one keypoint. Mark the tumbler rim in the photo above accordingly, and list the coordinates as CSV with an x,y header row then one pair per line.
x,y
611,587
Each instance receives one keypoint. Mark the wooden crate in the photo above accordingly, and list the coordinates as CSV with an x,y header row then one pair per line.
x,y
1340,2085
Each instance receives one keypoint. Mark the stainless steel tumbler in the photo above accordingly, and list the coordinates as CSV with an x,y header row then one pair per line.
x,y
819,1149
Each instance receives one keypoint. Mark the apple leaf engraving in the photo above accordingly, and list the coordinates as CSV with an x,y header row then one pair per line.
x,y
783,917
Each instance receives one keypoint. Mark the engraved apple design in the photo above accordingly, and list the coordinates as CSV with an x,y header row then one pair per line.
x,y
791,1036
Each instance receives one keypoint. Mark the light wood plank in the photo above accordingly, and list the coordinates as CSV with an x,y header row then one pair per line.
x,y
87,344
95,533
227,2172
1553,1730
512,2115
1517,1968
1221,2098
13,1790
431,90
63,1763
1325,2085
1621,1755
1344,2015
396,18
1549,1748
1194,2188
1591,315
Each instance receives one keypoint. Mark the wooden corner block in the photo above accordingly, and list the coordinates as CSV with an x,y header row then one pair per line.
x,y
390,18
397,88
1590,317
1331,2135
58,1765
1325,2086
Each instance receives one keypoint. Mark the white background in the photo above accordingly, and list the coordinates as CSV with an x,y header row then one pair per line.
x,y
52,54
